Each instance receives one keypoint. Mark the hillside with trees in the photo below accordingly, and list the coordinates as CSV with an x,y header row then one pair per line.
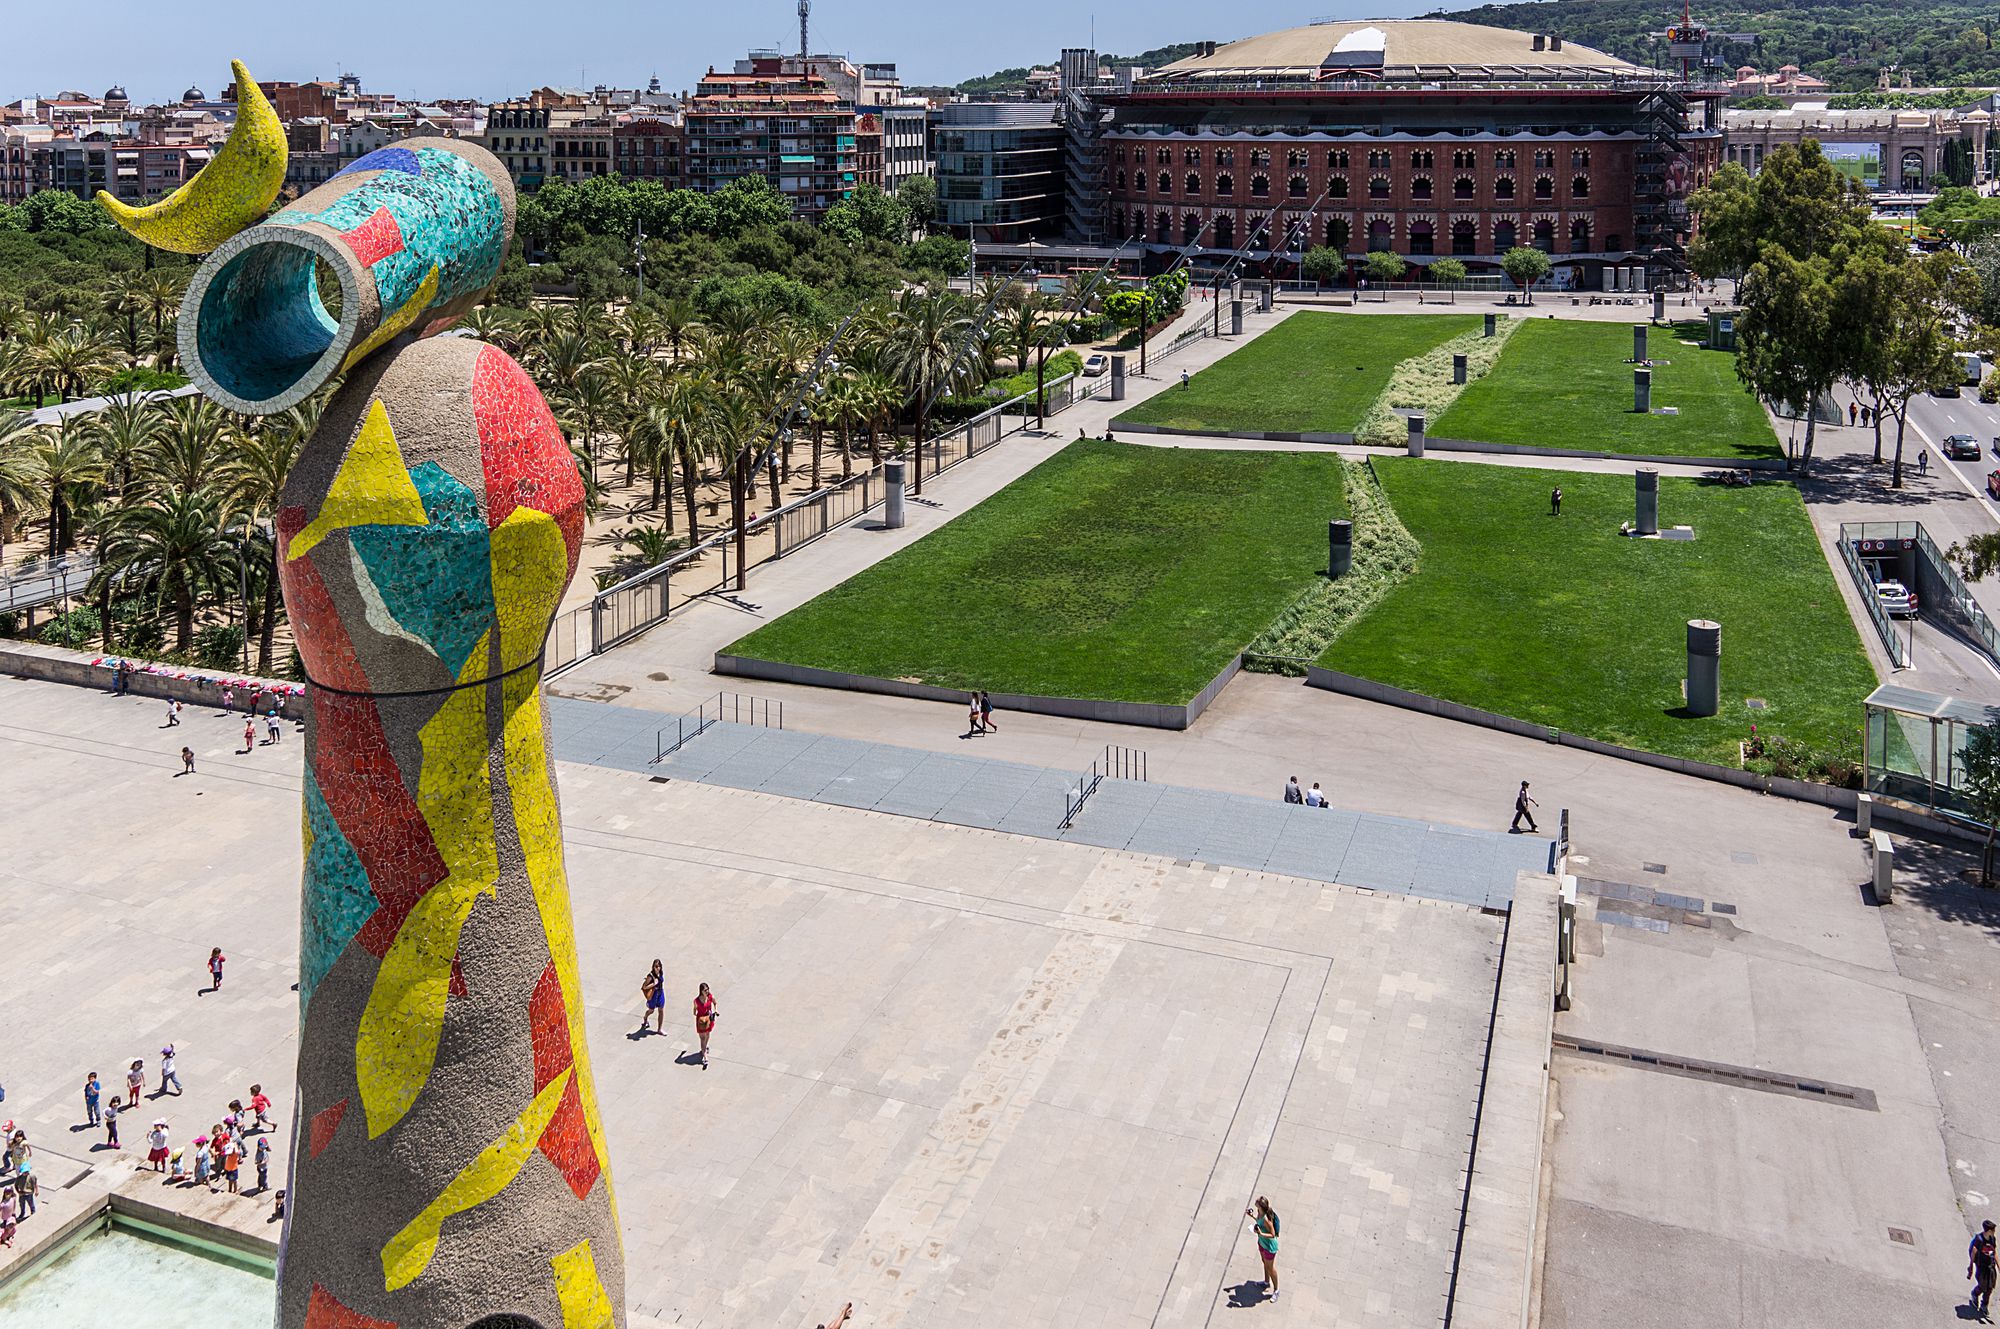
x,y
1939,43
1014,82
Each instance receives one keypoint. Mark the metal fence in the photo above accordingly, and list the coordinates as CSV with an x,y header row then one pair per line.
x,y
50,581
645,599
1954,598
1885,628
735,707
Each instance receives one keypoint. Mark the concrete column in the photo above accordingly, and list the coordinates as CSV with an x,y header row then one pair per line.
x,y
1492,324
1642,390
1118,378
1339,547
1704,676
1639,343
1236,318
1458,369
892,509
1660,305
1648,515
1264,297
1416,436
1864,814
1885,867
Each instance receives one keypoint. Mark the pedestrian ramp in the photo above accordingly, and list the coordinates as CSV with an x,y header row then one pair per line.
x,y
1194,826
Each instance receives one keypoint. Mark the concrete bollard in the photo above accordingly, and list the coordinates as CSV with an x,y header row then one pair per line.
x,y
1639,343
1660,304
1642,391
1648,502
892,508
1458,369
1264,297
1885,867
1416,435
1236,318
1339,547
1864,814
1118,378
1492,325
1704,676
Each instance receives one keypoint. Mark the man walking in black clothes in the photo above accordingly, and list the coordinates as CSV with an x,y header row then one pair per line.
x,y
1981,1271
1522,804
1556,501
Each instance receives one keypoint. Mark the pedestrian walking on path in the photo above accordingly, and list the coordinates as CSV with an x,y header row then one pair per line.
x,y
187,762
111,1124
1853,411
260,1103
168,1075
986,712
1264,1222
1294,794
839,1321
92,1115
228,700
653,987
271,725
216,959
263,1163
1982,1269
1523,806
1923,461
249,735
972,728
173,713
7,1224
30,1188
135,1081
705,1011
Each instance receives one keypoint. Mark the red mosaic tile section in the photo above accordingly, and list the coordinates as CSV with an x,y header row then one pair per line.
x,y
323,644
456,984
566,1140
364,790
527,463
376,238
324,1311
324,1123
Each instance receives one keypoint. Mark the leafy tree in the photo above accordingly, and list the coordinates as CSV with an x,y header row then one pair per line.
x,y
1524,267
867,214
1910,307
1323,265
176,547
1979,783
1383,267
1449,271
714,297
918,195
56,210
746,202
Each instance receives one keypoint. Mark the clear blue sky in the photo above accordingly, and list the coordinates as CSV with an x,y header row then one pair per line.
x,y
496,48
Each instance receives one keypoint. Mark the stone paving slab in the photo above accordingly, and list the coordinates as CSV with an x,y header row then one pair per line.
x,y
1475,868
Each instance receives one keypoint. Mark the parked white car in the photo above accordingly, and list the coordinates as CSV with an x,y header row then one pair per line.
x,y
1095,365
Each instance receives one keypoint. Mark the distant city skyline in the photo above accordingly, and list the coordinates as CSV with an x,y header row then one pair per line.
x,y
511,47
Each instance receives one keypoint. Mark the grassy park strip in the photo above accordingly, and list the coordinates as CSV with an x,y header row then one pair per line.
x,y
1110,572
1562,621
1384,554
1566,384
1313,373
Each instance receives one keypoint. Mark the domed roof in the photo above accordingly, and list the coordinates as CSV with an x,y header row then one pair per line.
x,y
1379,44
194,95
116,94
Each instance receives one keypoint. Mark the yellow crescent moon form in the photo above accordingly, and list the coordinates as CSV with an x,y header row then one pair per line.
x,y
233,191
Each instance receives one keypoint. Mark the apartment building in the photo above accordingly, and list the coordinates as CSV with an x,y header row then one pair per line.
x,y
787,126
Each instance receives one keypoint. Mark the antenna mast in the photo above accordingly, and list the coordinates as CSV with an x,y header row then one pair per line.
x,y
805,48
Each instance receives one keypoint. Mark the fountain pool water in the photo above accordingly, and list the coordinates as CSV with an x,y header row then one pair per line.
x,y
115,1275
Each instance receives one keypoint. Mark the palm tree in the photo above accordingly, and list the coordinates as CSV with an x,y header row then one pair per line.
x,y
490,324
195,444
589,401
73,360
922,353
69,468
844,406
1022,328
122,300
678,425
680,328
564,359
540,325
20,472
159,292
632,380
175,545
256,480
126,430
881,402
12,314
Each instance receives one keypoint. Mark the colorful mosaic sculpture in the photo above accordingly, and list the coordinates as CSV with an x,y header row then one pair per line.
x,y
228,194
448,1160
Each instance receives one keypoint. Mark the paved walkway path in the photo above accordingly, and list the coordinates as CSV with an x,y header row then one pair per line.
x,y
1193,826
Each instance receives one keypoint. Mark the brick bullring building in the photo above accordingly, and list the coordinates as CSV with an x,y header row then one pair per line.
x,y
1425,137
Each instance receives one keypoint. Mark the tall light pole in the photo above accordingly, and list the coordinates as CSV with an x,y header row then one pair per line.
x,y
639,257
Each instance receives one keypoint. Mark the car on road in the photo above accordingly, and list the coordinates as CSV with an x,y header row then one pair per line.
x,y
1962,447
1896,599
1095,365
1993,484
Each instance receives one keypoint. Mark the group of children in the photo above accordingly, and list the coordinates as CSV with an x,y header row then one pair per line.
x,y
218,1155
18,1183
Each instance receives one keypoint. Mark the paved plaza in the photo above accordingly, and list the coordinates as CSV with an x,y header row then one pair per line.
x,y
961,1077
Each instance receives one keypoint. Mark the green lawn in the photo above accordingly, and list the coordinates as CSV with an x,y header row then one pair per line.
x,y
1569,385
1313,373
1111,571
1564,622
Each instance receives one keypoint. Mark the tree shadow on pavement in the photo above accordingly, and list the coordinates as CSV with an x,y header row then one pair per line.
x,y
1931,877
1852,478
